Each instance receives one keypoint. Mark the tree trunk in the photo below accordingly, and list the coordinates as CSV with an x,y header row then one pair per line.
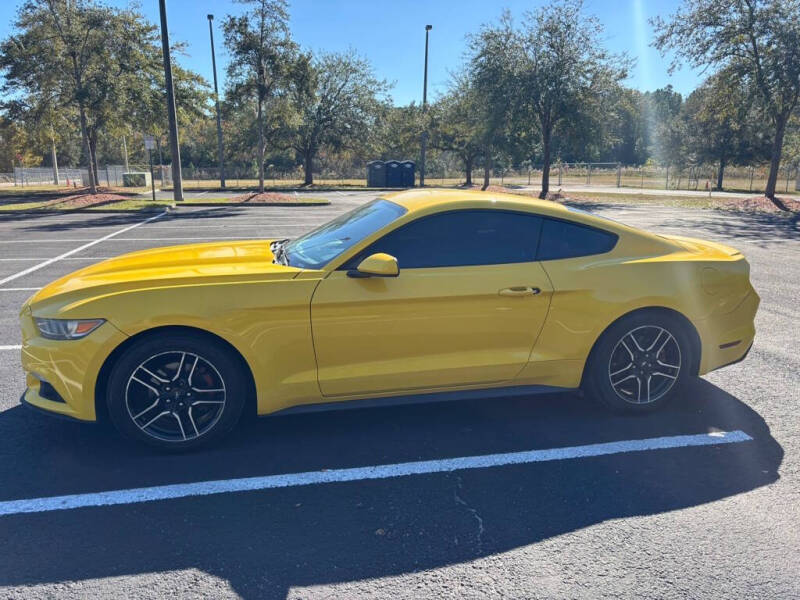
x,y
545,166
84,125
720,173
308,165
487,166
775,160
260,147
89,158
54,157
95,169
468,170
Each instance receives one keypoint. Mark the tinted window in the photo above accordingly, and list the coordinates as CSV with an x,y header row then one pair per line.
x,y
318,247
459,238
561,239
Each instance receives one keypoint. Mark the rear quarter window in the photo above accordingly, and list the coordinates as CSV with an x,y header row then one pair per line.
x,y
564,239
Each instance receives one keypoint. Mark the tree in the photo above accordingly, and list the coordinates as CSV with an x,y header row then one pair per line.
x,y
555,72
262,53
145,103
77,57
720,121
337,100
756,40
455,124
628,140
491,68
399,129
56,36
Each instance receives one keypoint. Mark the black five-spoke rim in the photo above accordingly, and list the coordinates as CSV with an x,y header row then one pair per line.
x,y
644,364
175,396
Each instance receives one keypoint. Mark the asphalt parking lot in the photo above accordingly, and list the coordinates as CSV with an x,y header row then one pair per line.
x,y
715,518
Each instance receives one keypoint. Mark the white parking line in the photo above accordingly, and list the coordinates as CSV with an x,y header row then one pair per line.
x,y
30,289
48,258
50,261
116,233
11,347
249,484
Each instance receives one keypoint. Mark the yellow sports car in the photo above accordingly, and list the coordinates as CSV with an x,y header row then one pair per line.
x,y
416,295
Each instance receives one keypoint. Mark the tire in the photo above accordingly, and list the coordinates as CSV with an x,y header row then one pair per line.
x,y
176,391
640,363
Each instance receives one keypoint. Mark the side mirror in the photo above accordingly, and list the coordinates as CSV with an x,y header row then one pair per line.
x,y
376,265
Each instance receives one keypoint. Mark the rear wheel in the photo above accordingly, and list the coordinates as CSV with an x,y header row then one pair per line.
x,y
176,391
640,363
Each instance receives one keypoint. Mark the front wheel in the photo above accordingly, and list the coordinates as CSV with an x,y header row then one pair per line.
x,y
640,363
176,391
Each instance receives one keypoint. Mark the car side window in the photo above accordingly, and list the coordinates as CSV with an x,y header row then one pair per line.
x,y
460,238
562,239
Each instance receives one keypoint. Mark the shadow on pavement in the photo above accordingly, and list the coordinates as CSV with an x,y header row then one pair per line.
x,y
84,221
751,226
266,542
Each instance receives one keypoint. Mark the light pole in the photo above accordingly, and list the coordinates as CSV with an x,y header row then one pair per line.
x,y
177,180
424,109
216,99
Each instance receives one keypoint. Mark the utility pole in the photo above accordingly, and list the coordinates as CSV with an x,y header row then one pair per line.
x,y
177,180
216,99
424,111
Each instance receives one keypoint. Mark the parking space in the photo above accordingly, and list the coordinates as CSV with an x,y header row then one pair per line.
x,y
544,496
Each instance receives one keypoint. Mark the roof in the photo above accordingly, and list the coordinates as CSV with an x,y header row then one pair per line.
x,y
422,199
434,200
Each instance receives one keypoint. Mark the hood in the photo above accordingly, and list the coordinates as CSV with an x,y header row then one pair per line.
x,y
174,265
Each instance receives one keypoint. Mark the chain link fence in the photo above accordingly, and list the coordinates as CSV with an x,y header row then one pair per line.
x,y
569,175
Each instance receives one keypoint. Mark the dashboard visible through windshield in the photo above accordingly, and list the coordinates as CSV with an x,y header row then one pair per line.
x,y
320,246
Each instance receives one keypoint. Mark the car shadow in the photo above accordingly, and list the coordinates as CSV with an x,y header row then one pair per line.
x,y
264,543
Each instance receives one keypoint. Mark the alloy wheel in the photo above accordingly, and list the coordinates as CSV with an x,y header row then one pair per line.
x,y
645,364
175,396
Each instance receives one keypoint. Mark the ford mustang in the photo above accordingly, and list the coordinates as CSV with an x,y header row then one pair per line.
x,y
412,296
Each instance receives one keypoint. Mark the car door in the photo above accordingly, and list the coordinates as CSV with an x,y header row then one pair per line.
x,y
465,309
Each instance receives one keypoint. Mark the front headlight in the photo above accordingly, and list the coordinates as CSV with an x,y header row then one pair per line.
x,y
67,329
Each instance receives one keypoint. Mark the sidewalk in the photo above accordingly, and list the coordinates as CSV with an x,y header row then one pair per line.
x,y
635,191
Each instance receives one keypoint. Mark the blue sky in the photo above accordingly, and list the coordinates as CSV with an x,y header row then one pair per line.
x,y
392,34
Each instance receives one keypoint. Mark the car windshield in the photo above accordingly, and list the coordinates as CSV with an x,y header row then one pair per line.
x,y
317,248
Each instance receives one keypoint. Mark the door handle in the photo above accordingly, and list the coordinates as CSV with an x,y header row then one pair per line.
x,y
520,290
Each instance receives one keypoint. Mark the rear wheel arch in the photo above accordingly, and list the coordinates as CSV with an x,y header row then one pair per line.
x,y
687,327
101,410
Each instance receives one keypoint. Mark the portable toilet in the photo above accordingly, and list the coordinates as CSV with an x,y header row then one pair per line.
x,y
376,174
394,174
408,167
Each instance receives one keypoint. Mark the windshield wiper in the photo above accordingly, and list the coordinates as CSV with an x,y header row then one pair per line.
x,y
278,249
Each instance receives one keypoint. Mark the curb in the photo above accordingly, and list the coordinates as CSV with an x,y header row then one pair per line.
x,y
254,204
291,189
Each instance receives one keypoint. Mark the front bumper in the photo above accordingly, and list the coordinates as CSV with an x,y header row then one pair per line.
x,y
49,413
71,367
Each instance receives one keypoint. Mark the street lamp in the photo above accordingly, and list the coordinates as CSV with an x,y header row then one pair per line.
x,y
424,108
216,99
177,179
